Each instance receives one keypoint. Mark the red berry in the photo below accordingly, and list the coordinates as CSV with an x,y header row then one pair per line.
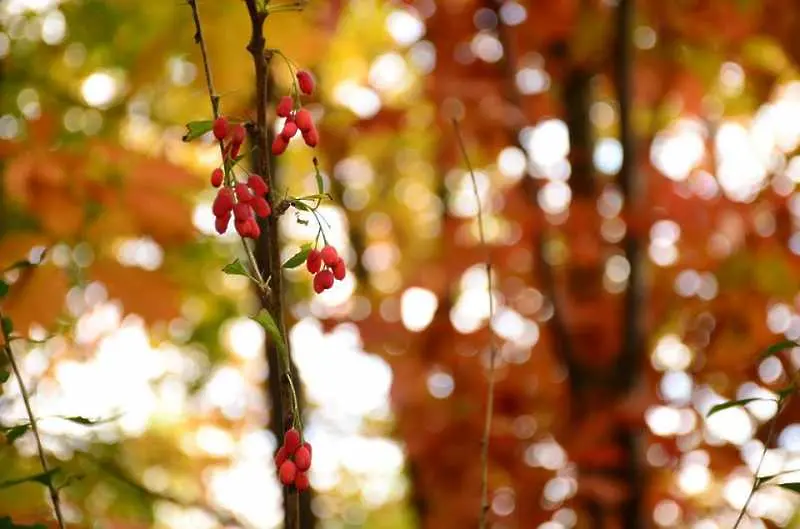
x,y
253,231
308,447
220,128
314,261
223,203
233,152
301,482
330,255
242,212
311,137
325,280
237,135
216,177
280,456
261,207
287,472
302,458
305,81
304,120
284,108
243,193
279,145
339,269
318,283
291,440
221,223
289,130
258,185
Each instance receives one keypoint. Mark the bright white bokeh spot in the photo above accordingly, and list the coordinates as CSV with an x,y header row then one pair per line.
x,y
663,420
363,101
678,150
440,384
99,89
676,387
54,27
388,73
417,307
555,197
512,163
548,142
694,479
404,27
671,354
486,47
608,156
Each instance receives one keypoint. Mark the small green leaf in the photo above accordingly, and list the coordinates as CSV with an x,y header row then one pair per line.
x,y
236,268
195,129
16,432
264,318
320,183
85,421
794,487
778,347
4,376
43,478
7,326
733,404
300,205
298,258
3,288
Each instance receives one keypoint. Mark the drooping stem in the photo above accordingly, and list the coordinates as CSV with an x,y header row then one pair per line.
x,y
487,423
54,498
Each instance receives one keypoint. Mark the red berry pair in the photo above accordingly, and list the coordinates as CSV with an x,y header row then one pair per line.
x,y
334,267
293,460
244,201
223,130
299,119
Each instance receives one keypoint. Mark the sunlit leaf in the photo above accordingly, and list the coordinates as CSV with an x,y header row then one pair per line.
x,y
264,318
298,258
4,376
236,268
195,129
734,404
3,288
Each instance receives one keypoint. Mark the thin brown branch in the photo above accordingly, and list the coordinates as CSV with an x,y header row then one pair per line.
x,y
487,423
54,498
269,241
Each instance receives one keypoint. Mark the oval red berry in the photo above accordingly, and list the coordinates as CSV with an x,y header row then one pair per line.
x,y
289,130
258,185
220,128
291,440
223,203
301,481
325,279
261,207
221,223
329,255
305,82
243,193
314,261
216,177
285,106
287,472
279,145
304,120
339,269
302,458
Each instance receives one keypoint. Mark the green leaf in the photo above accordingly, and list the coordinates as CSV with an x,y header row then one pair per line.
x,y
264,318
15,432
300,205
3,288
43,478
4,376
733,404
320,183
794,487
7,325
195,129
236,268
778,347
298,258
85,421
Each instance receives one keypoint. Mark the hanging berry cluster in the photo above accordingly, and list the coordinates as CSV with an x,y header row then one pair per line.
x,y
293,460
297,118
241,200
334,267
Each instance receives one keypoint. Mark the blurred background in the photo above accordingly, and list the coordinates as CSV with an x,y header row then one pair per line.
x,y
628,306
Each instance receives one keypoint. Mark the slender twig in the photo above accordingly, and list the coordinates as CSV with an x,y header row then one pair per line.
x,y
214,97
115,471
756,479
54,498
487,424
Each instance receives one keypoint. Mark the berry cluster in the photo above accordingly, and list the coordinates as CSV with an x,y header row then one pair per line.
x,y
296,118
242,200
293,460
334,267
